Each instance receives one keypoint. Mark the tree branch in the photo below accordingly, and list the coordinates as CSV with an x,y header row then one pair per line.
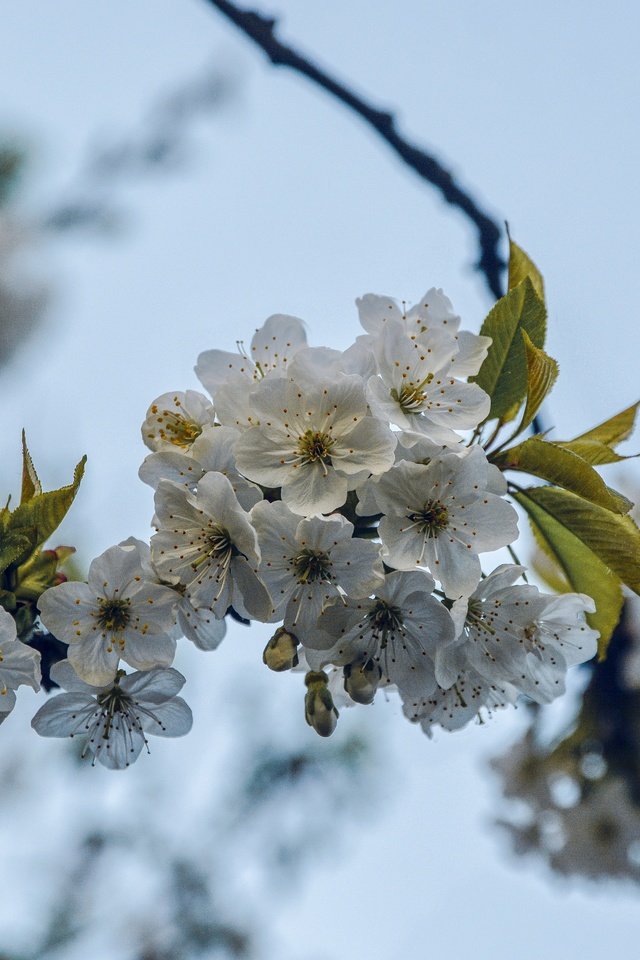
x,y
261,29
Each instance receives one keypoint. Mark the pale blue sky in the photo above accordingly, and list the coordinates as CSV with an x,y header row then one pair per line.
x,y
291,205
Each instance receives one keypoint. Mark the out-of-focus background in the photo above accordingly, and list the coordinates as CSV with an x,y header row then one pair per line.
x,y
164,191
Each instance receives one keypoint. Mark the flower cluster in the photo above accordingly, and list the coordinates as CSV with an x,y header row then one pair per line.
x,y
341,496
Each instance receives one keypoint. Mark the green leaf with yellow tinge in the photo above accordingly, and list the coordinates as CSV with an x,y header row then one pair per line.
x,y
520,266
613,538
542,373
31,486
596,446
560,466
39,516
593,451
15,547
615,429
584,571
503,374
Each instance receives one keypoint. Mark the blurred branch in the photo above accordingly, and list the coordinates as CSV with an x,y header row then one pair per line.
x,y
158,144
261,30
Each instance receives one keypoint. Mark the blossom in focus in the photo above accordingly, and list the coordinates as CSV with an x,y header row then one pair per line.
x,y
19,664
206,542
307,563
119,614
399,629
228,376
441,516
416,390
176,420
433,311
115,719
513,633
312,440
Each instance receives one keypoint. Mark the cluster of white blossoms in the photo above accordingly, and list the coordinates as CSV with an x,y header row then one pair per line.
x,y
339,496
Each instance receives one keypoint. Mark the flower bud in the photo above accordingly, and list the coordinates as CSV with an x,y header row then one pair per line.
x,y
319,710
361,680
281,651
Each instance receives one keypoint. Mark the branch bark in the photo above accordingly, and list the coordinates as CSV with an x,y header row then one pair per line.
x,y
261,29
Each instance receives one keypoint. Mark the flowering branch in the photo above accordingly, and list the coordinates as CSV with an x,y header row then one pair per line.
x,y
261,30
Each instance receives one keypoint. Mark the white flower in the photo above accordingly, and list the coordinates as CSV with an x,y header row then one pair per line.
x,y
519,635
213,450
323,363
312,440
400,629
115,719
453,708
416,389
200,625
19,664
175,420
227,376
433,311
441,516
308,563
206,542
118,614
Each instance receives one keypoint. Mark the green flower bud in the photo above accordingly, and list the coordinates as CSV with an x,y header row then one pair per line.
x,y
281,652
319,710
361,680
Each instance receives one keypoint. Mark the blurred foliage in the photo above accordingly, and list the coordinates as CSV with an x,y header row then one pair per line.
x,y
574,798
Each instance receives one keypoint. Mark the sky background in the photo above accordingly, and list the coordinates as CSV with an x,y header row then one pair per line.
x,y
290,204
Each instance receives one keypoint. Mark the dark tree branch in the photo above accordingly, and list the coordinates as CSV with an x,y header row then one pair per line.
x,y
261,30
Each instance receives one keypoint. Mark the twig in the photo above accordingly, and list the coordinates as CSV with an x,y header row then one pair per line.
x,y
261,29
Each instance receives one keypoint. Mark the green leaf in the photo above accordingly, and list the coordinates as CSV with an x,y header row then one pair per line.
x,y
44,512
564,468
15,547
584,571
31,486
593,451
614,430
542,373
503,374
613,538
521,266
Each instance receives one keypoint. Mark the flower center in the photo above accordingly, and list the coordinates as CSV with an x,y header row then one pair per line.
x,y
176,428
411,398
217,548
433,518
384,619
311,566
314,445
114,615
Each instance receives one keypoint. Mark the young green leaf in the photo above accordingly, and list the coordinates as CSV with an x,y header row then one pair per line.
x,y
560,466
593,451
520,266
503,374
614,539
15,548
39,516
31,486
584,571
542,373
615,429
